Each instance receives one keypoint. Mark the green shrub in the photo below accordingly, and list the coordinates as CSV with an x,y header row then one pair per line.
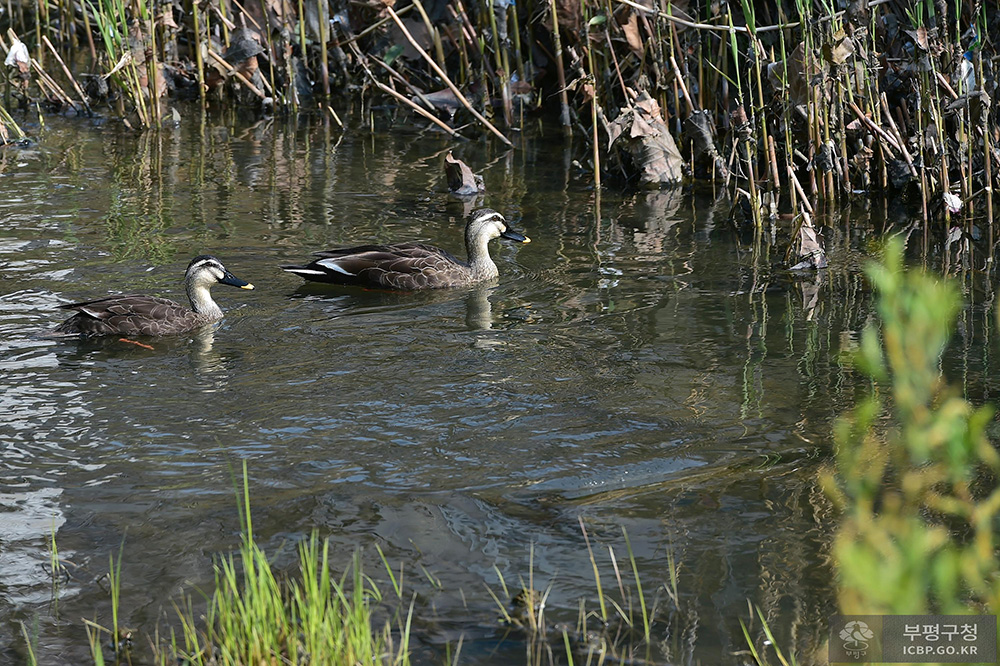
x,y
916,483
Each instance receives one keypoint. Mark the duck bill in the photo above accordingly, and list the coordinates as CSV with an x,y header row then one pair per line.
x,y
231,279
510,234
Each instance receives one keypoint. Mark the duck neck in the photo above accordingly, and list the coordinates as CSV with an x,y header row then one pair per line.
x,y
480,262
202,303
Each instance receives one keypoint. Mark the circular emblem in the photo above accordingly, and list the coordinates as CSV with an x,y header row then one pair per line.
x,y
856,635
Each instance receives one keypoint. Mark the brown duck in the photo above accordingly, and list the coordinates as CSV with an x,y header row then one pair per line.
x,y
135,314
413,266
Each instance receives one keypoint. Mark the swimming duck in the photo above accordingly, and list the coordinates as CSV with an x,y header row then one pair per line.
x,y
413,266
135,314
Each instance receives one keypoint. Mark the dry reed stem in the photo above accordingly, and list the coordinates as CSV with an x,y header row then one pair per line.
x,y
324,66
707,26
870,124
772,152
899,136
232,70
560,72
374,26
384,88
195,17
944,84
59,93
245,14
458,93
399,77
740,29
798,188
432,32
69,75
680,82
329,109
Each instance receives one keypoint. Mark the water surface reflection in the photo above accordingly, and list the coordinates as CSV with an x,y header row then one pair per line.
x,y
638,365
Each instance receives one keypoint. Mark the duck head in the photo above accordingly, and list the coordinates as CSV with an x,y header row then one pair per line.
x,y
205,270
488,224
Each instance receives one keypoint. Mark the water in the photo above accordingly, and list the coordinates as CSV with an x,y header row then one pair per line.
x,y
636,365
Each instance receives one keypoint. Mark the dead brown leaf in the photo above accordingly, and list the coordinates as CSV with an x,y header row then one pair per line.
x,y
919,37
166,18
811,253
840,50
644,147
632,36
461,180
804,70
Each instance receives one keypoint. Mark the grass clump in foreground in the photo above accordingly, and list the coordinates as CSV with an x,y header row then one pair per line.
x,y
255,618
920,499
315,619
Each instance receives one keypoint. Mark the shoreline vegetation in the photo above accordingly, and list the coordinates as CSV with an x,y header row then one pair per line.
x,y
784,106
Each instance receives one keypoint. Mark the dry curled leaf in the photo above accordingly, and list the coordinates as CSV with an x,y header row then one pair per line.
x,y
166,19
632,36
919,37
18,56
461,180
643,146
840,50
810,251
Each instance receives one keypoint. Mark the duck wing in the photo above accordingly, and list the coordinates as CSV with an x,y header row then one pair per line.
x,y
402,266
129,314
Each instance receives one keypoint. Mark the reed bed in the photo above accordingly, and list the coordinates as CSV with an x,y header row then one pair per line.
x,y
766,94
788,106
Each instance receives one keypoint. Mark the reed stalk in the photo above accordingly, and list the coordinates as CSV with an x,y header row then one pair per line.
x,y
302,35
28,645
115,585
324,63
986,130
560,72
38,6
199,59
432,31
518,56
458,93
502,66
69,75
152,64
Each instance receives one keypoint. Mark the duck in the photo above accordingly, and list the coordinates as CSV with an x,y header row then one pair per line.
x,y
137,314
414,266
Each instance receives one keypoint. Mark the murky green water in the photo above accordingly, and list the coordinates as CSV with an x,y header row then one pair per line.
x,y
637,365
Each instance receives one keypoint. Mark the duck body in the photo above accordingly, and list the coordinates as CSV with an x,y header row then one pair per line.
x,y
137,314
413,266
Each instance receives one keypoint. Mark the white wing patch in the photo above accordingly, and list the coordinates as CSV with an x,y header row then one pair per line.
x,y
334,266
